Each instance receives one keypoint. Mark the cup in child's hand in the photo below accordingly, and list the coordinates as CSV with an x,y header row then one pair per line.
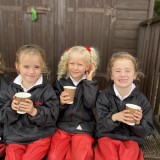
x,y
21,97
132,108
71,90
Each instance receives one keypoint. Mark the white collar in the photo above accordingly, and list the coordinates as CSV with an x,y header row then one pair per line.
x,y
18,81
75,82
117,93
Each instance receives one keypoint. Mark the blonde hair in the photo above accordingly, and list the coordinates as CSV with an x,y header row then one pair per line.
x,y
125,55
2,65
33,50
90,54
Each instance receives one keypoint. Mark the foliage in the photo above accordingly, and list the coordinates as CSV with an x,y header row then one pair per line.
x,y
157,8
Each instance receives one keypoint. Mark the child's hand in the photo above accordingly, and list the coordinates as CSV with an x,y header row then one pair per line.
x,y
28,107
138,116
14,104
123,116
90,73
64,98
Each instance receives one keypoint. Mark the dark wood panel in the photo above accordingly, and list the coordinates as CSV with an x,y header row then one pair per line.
x,y
136,4
132,51
89,27
108,25
128,34
12,32
157,101
149,54
131,14
149,76
125,43
155,67
127,24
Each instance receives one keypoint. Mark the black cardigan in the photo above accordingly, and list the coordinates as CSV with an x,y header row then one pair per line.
x,y
23,128
108,104
81,111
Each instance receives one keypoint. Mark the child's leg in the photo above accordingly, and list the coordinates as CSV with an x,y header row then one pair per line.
x,y
37,150
130,150
60,144
106,149
15,151
81,147
2,149
112,149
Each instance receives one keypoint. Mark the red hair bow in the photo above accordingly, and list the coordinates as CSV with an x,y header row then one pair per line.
x,y
67,49
88,48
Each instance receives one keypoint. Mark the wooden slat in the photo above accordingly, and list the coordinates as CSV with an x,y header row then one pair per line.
x,y
125,43
150,21
135,5
138,15
149,76
131,51
127,34
149,53
143,45
156,65
10,8
157,101
127,24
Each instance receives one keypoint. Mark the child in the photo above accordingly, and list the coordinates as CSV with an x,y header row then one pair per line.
x,y
117,140
28,135
76,122
4,82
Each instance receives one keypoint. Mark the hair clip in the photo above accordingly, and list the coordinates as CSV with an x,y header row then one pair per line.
x,y
88,48
67,49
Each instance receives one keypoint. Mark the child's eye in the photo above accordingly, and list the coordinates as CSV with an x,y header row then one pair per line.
x,y
127,71
37,67
25,66
117,71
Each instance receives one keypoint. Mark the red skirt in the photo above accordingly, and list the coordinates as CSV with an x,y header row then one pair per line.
x,y
112,149
65,146
33,151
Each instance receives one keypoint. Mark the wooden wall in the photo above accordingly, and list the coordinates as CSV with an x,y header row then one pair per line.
x,y
129,15
108,25
149,55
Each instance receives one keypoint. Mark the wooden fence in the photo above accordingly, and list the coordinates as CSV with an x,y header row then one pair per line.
x,y
149,54
107,25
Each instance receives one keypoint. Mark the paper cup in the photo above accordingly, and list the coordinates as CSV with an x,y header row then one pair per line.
x,y
20,97
71,90
132,108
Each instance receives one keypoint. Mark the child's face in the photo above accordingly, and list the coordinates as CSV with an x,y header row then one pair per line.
x,y
77,65
30,68
123,73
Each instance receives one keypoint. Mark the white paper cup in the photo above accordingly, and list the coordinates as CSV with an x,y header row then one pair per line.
x,y
71,90
132,108
20,97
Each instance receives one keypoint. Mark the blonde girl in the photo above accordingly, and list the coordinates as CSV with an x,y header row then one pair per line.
x,y
28,135
76,122
117,139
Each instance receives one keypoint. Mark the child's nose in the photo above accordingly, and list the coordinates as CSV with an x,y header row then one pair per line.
x,y
75,67
31,70
122,73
